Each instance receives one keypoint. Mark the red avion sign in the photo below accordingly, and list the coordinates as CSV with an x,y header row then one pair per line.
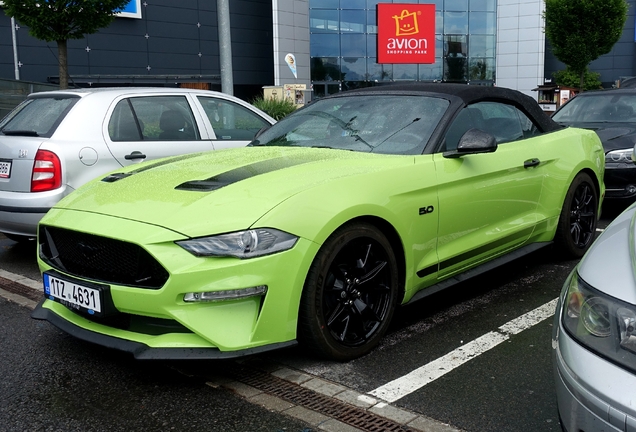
x,y
406,33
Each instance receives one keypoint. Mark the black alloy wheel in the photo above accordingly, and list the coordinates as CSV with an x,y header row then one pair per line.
x,y
350,293
579,216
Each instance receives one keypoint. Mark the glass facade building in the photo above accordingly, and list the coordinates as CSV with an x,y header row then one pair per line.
x,y
343,37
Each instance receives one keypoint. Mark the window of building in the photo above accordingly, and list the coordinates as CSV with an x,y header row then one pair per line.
x,y
483,5
482,23
324,45
456,5
324,4
325,69
323,21
353,21
353,45
455,22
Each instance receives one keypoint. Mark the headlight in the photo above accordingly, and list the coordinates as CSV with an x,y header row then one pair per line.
x,y
601,323
241,244
620,156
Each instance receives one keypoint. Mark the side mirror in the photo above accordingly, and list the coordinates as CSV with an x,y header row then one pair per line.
x,y
472,142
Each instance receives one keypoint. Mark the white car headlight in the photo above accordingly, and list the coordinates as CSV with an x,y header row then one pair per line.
x,y
241,244
601,323
622,155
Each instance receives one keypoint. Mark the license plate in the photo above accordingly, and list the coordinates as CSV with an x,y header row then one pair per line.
x,y
5,169
73,295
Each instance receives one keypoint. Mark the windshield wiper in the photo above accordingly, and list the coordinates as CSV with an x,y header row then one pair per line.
x,y
281,140
18,132
399,130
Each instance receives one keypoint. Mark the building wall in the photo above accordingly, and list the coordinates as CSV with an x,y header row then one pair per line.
x,y
619,62
291,35
172,42
520,44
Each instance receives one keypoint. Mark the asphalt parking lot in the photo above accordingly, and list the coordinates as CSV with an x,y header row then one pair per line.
x,y
473,358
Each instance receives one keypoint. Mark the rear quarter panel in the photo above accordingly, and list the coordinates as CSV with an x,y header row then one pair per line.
x,y
564,154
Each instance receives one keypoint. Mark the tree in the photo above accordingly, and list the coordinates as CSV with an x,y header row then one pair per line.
x,y
61,20
568,78
580,31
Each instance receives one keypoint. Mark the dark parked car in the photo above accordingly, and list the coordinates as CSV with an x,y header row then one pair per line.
x,y
612,114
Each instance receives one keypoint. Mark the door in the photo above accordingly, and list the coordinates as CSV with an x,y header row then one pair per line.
x,y
149,127
487,202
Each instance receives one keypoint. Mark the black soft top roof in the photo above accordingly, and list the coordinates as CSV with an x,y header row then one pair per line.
x,y
470,94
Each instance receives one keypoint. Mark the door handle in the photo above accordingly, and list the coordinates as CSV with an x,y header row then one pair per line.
x,y
135,155
531,163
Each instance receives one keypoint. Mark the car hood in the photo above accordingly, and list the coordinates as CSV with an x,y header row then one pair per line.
x,y
614,136
610,263
219,191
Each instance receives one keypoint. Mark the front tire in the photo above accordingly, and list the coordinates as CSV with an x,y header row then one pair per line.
x,y
350,293
579,215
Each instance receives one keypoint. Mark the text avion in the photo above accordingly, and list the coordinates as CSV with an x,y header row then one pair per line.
x,y
407,43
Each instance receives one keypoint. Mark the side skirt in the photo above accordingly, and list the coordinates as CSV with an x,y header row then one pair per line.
x,y
490,265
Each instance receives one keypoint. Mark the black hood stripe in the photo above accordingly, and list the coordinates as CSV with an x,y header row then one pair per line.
x,y
243,173
118,176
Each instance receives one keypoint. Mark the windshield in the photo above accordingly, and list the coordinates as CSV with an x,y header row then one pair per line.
x,y
370,123
598,108
39,116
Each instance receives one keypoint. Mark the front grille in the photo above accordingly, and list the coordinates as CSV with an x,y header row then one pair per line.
x,y
100,258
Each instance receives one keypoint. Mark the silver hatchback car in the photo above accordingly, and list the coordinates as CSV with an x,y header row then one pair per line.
x,y
56,141
594,340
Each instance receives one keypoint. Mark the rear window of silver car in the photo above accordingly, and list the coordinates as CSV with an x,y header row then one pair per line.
x,y
37,116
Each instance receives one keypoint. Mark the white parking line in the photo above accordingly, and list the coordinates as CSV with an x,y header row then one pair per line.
x,y
428,373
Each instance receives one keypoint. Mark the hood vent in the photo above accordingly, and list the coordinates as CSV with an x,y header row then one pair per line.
x,y
118,176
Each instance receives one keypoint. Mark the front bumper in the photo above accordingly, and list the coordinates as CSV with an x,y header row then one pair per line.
x,y
142,351
593,395
620,180
158,323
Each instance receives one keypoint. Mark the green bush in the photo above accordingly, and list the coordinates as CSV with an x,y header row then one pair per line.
x,y
568,78
274,107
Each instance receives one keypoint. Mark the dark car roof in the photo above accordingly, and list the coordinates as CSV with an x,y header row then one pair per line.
x,y
629,82
620,90
469,94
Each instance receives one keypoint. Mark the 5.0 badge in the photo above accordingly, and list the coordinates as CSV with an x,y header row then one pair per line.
x,y
426,210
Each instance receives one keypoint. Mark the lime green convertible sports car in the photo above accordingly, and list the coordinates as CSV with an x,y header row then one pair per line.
x,y
320,228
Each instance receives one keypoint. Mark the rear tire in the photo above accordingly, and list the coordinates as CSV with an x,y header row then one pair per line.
x,y
350,294
577,224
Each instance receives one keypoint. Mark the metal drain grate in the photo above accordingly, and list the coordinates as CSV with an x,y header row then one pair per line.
x,y
24,291
294,393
